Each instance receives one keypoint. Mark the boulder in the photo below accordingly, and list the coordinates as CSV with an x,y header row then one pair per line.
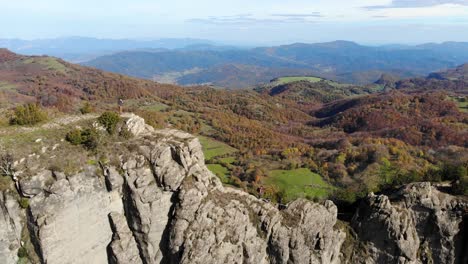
x,y
137,126
36,184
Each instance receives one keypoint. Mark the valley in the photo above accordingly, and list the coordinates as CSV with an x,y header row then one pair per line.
x,y
295,141
349,136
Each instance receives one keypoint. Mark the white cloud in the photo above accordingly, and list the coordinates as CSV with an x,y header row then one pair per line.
x,y
418,3
217,18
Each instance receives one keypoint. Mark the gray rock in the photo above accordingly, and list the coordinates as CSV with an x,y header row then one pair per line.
x,y
136,125
58,175
70,222
123,248
418,224
10,228
148,207
36,184
114,180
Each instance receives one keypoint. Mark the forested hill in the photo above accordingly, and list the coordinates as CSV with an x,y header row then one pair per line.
x,y
346,139
54,82
340,61
455,79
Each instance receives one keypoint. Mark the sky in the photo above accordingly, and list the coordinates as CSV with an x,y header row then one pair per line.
x,y
249,22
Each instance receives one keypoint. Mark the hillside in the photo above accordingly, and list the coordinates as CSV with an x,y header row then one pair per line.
x,y
450,80
258,170
460,73
313,90
54,82
236,76
417,119
342,61
343,140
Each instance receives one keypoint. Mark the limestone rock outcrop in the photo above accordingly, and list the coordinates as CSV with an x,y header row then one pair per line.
x,y
418,224
162,205
137,126
157,202
69,220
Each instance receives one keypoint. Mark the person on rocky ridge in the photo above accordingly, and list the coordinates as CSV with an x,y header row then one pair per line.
x,y
120,103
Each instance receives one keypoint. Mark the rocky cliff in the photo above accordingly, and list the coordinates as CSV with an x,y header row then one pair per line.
x,y
160,204
418,224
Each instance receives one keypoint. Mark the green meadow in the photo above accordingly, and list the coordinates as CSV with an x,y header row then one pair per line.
x,y
298,183
285,80
213,148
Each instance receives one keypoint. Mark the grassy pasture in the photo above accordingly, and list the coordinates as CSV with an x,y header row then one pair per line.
x,y
155,107
285,80
48,63
213,148
462,103
298,183
228,160
220,171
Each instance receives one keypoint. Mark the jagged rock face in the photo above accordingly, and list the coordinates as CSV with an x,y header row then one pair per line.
x,y
418,224
123,248
180,213
10,228
162,205
69,219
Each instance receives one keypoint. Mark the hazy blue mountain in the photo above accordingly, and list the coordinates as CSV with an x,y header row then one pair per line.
x,y
339,60
83,48
195,61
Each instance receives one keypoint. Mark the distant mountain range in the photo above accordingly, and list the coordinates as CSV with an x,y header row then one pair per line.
x,y
342,61
197,61
79,49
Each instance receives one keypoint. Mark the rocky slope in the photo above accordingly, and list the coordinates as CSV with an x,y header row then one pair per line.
x,y
418,224
160,204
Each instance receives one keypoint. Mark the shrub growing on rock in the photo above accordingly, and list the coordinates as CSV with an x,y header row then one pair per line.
x,y
88,137
125,133
109,120
86,109
74,137
28,114
22,253
24,202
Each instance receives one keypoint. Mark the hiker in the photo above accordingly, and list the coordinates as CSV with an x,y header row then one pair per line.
x,y
120,103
